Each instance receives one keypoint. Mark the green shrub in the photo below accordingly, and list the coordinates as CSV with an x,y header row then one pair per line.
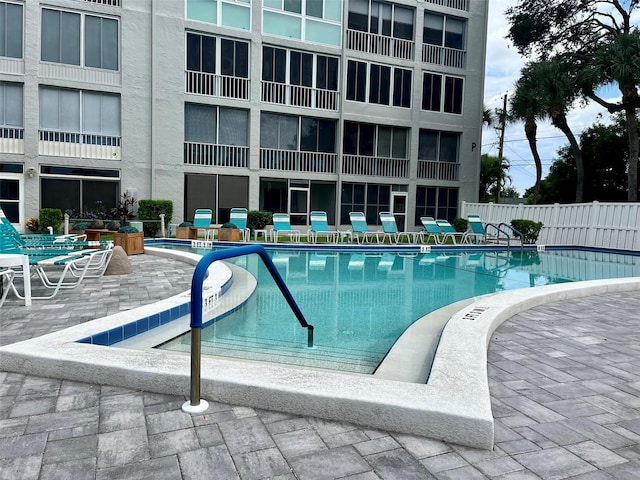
x,y
258,219
528,228
460,224
50,217
186,224
128,229
228,225
80,225
149,211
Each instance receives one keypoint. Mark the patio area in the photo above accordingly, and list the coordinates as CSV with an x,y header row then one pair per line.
x,y
564,384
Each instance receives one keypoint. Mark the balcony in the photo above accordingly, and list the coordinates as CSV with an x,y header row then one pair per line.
x,y
214,85
12,140
111,3
375,166
79,145
299,96
380,45
210,155
447,57
456,4
296,161
12,66
432,170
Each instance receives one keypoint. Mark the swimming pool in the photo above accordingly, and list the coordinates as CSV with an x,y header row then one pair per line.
x,y
360,303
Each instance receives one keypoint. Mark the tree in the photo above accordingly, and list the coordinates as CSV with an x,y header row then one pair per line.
x,y
493,177
546,89
598,39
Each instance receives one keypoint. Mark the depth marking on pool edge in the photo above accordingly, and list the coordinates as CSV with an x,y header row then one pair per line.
x,y
475,313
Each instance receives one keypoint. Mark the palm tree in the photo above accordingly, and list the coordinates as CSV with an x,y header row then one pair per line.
x,y
555,87
527,106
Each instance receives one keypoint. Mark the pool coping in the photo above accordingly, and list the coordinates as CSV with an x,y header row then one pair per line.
x,y
454,405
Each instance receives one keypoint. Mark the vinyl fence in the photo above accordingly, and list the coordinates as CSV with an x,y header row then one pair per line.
x,y
606,225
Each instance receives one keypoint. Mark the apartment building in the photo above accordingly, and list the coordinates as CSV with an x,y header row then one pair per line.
x,y
281,105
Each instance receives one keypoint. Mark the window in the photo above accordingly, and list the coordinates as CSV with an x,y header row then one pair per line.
x,y
296,68
380,18
444,31
11,106
10,30
432,95
436,202
323,9
61,39
202,55
438,146
317,21
79,111
371,199
289,132
229,13
375,140
386,85
215,125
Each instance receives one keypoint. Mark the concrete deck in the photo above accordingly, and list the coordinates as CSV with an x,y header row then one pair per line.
x,y
563,378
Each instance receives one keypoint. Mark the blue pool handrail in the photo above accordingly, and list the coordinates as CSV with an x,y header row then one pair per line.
x,y
196,405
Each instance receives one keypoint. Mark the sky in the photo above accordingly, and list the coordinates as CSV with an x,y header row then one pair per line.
x,y
502,70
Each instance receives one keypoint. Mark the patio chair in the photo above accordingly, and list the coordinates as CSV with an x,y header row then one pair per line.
x,y
431,230
238,217
320,226
282,226
202,221
5,276
37,240
390,229
449,232
477,233
361,229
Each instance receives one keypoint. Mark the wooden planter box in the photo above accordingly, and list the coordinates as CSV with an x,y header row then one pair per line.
x,y
229,235
132,243
188,233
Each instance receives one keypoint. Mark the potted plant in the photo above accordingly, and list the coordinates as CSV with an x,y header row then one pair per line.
x,y
229,232
130,239
184,230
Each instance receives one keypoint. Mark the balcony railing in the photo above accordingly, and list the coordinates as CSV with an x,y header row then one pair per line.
x,y
448,57
211,155
81,145
12,140
438,170
457,4
112,3
375,166
380,44
296,161
203,83
299,96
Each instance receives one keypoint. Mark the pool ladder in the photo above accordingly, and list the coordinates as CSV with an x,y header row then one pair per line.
x,y
196,404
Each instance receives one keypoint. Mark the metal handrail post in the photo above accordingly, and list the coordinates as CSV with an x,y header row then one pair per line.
x,y
196,404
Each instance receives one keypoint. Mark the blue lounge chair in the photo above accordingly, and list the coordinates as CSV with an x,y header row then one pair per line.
x,y
38,240
361,229
202,221
390,228
238,217
282,226
320,226
431,231
449,232
5,275
477,232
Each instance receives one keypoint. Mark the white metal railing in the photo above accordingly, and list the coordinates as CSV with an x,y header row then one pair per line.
x,y
81,145
457,4
433,170
448,57
380,44
607,225
112,3
203,83
375,166
12,140
209,154
297,161
299,96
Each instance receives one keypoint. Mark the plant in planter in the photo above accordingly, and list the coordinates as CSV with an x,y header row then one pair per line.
x,y
184,230
32,224
125,209
529,229
80,227
229,232
130,239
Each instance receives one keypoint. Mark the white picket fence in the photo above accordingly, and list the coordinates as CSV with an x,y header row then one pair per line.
x,y
606,225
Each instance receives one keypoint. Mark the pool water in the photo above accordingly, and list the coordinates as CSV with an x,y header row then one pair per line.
x,y
360,303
